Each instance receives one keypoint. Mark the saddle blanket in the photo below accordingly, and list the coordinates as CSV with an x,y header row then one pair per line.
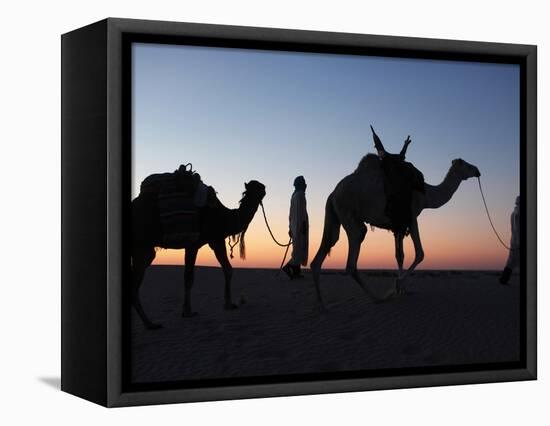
x,y
179,219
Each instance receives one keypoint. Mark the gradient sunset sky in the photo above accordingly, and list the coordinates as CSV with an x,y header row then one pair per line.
x,y
239,115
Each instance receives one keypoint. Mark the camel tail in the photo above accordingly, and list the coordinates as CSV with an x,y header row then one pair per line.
x,y
331,233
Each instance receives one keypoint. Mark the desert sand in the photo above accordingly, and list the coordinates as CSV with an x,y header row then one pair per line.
x,y
446,318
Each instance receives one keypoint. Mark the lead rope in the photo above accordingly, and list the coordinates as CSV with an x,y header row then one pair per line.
x,y
271,233
489,217
275,240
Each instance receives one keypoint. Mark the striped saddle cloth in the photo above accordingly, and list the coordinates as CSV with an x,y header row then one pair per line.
x,y
179,218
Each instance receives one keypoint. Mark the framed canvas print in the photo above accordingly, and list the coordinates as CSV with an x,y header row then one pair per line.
x,y
252,212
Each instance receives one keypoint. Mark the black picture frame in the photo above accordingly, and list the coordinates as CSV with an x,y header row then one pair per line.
x,y
95,186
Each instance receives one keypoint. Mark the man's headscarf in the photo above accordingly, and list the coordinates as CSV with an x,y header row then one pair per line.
x,y
300,183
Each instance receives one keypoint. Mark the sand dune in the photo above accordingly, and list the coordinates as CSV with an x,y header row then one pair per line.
x,y
448,317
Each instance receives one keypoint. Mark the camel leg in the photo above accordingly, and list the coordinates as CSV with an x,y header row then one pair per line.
x,y
220,251
189,276
418,250
331,233
316,272
399,253
316,264
399,257
141,259
356,234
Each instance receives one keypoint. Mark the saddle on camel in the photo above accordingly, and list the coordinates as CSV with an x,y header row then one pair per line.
x,y
180,195
401,178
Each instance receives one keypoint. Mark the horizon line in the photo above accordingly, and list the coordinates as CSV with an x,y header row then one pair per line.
x,y
308,269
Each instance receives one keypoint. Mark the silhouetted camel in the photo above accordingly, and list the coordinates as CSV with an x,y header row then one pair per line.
x,y
216,222
359,199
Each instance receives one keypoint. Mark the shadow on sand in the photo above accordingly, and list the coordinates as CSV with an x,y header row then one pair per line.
x,y
54,382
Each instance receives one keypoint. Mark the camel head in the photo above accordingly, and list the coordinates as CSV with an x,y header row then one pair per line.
x,y
254,191
252,197
464,169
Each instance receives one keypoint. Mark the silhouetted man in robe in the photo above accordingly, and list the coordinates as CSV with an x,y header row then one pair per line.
x,y
513,256
298,229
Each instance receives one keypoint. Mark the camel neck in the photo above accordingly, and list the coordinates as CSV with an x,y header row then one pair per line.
x,y
437,196
245,213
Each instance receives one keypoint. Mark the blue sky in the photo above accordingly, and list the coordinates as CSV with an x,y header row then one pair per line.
x,y
242,114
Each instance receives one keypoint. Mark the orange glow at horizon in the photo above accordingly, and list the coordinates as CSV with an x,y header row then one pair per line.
x,y
239,115
461,247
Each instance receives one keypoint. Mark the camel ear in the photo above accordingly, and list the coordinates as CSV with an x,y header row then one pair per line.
x,y
246,185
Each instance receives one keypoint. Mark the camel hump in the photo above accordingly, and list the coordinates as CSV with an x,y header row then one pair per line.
x,y
183,180
370,162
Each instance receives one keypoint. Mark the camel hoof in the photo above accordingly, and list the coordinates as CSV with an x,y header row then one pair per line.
x,y
152,326
189,314
230,307
399,289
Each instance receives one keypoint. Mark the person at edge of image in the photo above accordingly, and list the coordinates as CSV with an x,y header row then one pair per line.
x,y
513,256
298,230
